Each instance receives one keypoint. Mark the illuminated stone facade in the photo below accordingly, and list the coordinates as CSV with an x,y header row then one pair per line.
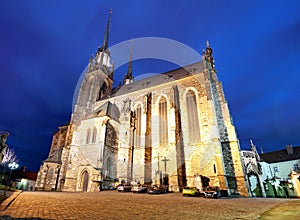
x,y
171,128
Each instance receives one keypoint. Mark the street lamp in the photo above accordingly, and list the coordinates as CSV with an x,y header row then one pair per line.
x,y
12,166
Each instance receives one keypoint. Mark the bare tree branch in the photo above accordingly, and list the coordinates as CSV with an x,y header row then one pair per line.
x,y
9,157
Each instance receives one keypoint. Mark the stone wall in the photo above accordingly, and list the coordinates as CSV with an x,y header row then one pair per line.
x,y
215,156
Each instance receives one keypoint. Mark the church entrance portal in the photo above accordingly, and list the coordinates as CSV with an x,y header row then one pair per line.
x,y
84,180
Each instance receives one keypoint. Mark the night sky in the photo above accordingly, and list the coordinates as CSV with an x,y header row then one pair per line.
x,y
45,46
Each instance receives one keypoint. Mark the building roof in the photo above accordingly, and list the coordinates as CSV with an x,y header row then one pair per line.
x,y
108,109
159,79
55,157
281,155
29,175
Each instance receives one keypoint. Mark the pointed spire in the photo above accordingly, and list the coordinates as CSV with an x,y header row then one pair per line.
x,y
128,77
208,55
261,150
253,149
129,70
106,35
207,44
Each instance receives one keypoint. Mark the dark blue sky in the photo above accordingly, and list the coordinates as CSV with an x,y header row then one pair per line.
x,y
45,45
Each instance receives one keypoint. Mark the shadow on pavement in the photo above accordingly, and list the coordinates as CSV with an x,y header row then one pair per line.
x,y
10,218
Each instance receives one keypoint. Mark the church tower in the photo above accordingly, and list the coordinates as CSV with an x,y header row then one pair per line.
x,y
128,78
98,80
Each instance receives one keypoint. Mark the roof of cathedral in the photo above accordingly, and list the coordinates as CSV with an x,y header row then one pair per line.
x,y
159,79
108,109
281,155
55,157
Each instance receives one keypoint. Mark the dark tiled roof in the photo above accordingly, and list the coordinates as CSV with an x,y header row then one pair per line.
x,y
281,155
55,157
29,175
159,79
20,174
108,109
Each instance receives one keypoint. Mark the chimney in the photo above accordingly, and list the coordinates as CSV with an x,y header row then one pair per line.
x,y
289,149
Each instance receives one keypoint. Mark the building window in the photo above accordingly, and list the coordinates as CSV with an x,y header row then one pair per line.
x,y
193,121
50,174
109,168
94,135
138,114
296,167
163,122
275,169
88,136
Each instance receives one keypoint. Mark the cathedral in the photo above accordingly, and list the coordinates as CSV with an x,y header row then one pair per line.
x,y
171,129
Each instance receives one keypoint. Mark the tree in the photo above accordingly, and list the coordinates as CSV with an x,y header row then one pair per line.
x,y
9,157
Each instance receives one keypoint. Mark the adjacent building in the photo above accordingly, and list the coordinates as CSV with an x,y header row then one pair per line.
x,y
273,174
280,172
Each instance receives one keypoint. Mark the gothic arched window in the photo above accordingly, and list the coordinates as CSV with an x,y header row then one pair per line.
x,y
193,121
109,167
88,136
94,135
50,174
138,113
163,122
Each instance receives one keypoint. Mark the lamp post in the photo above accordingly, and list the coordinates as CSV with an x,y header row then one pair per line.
x,y
11,166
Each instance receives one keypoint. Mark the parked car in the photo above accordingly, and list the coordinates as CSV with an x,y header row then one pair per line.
x,y
212,192
190,191
139,189
111,188
124,188
155,189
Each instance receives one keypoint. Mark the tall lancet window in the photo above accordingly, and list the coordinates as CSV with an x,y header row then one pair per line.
x,y
138,114
88,136
193,120
94,135
163,122
109,168
50,174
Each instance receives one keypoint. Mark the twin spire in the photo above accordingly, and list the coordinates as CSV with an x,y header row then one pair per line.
x,y
106,35
128,78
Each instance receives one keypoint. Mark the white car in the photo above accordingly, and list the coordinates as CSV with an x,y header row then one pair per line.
x,y
139,189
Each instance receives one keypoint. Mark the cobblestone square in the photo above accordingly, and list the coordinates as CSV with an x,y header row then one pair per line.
x,y
114,205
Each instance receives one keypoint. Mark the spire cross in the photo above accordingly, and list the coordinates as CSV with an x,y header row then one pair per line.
x,y
165,160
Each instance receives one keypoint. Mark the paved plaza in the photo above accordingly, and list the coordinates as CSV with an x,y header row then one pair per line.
x,y
114,205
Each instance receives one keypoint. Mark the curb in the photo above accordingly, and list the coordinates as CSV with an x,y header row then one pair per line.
x,y
9,200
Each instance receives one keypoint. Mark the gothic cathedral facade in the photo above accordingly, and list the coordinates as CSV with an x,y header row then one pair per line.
x,y
173,129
